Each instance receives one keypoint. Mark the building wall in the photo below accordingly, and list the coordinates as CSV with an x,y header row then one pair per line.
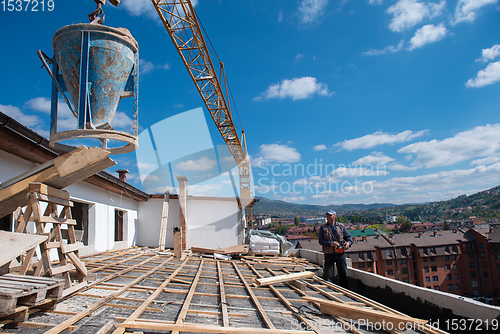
x,y
102,206
211,223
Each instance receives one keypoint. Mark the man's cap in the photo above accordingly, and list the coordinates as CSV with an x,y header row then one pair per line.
x,y
331,212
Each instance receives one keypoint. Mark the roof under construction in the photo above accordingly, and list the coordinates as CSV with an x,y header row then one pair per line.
x,y
144,290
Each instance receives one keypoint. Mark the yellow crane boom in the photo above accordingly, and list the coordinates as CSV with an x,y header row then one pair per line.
x,y
179,18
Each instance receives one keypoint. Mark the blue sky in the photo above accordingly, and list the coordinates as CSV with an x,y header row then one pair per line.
x,y
341,101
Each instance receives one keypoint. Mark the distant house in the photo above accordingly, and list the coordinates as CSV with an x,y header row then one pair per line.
x,y
365,232
311,244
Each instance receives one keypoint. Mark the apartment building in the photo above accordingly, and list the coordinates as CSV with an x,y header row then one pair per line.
x,y
457,262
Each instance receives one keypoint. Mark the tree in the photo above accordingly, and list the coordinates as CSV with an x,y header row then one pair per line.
x,y
280,229
342,219
446,226
404,223
297,220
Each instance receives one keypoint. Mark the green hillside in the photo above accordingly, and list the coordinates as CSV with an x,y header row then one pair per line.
x,y
484,205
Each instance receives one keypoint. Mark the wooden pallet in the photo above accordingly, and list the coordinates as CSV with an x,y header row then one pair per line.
x,y
19,290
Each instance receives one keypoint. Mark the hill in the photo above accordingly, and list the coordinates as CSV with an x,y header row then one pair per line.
x,y
286,209
484,205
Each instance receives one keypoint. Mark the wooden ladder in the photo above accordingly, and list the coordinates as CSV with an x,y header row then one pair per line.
x,y
65,243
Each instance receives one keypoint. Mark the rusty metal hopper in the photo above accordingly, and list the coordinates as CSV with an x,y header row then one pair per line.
x,y
110,54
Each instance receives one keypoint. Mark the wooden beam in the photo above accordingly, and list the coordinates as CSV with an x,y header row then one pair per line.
x,y
240,249
223,302
284,278
37,187
163,223
186,327
358,313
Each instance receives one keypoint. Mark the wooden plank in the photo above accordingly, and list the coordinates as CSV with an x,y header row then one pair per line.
x,y
262,313
57,220
31,279
22,186
163,223
240,249
196,328
61,269
78,264
284,278
49,191
16,244
79,158
178,244
223,302
356,313
279,267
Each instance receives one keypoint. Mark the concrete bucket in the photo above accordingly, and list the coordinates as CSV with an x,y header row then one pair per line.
x,y
98,66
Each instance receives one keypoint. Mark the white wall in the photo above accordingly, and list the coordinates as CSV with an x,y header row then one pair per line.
x,y
211,223
148,231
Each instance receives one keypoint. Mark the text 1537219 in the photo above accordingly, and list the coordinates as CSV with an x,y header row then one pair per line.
x,y
27,5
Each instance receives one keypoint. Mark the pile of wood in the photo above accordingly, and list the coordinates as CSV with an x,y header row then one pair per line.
x,y
17,292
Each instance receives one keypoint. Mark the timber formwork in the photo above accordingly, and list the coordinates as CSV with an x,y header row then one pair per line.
x,y
140,290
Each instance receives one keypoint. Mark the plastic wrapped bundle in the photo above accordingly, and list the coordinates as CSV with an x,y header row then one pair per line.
x,y
267,243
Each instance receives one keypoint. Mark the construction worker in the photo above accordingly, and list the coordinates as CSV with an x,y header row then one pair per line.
x,y
335,239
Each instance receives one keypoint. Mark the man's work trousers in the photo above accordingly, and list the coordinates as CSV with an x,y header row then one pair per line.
x,y
329,268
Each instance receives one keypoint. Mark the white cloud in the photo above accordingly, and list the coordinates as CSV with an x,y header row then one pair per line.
x,y
375,158
408,13
211,189
279,153
161,190
358,172
481,141
486,161
296,88
466,10
39,104
147,66
375,2
202,164
145,166
387,49
280,15
144,7
417,189
320,147
399,167
299,57
294,199
310,10
441,181
18,115
379,138
121,121
489,54
265,188
139,8
426,35
488,76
